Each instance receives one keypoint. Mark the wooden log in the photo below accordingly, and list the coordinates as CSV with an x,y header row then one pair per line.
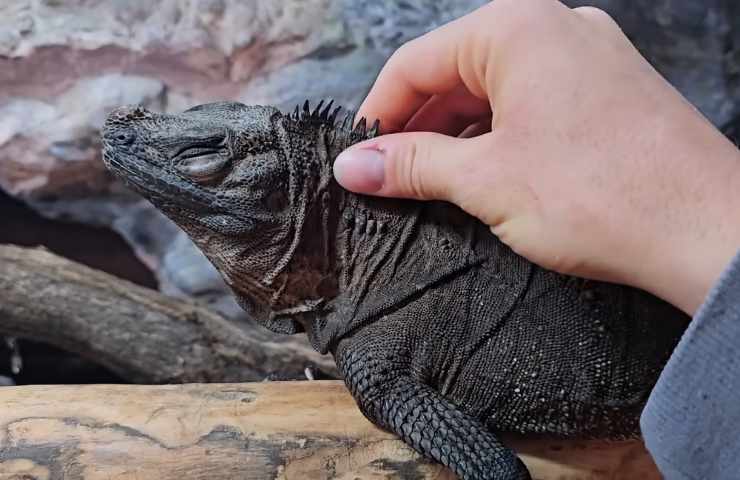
x,y
269,430
136,332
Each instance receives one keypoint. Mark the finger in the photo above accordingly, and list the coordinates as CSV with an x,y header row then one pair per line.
x,y
418,165
449,113
422,68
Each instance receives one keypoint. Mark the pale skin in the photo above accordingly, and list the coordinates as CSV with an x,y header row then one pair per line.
x,y
548,125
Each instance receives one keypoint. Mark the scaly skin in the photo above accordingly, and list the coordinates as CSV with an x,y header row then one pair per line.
x,y
442,334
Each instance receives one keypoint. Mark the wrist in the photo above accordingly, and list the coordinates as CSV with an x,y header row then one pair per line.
x,y
690,257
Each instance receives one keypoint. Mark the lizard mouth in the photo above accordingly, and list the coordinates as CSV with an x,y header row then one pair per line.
x,y
130,169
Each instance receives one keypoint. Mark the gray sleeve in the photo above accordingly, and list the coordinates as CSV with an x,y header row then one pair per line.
x,y
691,423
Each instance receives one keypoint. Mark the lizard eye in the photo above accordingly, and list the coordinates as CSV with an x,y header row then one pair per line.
x,y
202,167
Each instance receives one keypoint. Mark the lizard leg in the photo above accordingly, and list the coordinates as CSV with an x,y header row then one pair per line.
x,y
432,425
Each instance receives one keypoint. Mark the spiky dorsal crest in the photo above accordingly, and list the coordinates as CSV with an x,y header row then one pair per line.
x,y
323,115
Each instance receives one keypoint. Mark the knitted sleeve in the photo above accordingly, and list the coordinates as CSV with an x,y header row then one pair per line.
x,y
691,423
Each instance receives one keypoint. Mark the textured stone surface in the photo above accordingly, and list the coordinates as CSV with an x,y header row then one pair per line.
x,y
64,64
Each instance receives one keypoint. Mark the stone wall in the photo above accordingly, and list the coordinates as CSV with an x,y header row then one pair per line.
x,y
65,63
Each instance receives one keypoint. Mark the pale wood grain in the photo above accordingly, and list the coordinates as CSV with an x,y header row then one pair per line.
x,y
270,430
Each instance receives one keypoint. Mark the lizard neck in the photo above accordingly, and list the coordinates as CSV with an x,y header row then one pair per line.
x,y
313,276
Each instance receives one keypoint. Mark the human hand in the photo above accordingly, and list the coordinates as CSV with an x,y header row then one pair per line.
x,y
595,167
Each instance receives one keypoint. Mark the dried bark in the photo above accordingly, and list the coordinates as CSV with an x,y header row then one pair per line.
x,y
271,430
137,333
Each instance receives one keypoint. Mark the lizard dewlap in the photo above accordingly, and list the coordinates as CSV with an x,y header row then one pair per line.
x,y
442,333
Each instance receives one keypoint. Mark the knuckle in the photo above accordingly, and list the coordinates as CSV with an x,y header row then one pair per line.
x,y
401,56
595,14
413,171
524,19
523,10
590,11
409,171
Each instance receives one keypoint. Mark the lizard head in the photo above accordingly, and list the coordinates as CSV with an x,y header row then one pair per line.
x,y
250,186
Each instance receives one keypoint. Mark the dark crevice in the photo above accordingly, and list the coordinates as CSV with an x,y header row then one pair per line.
x,y
95,247
98,248
44,364
732,130
327,52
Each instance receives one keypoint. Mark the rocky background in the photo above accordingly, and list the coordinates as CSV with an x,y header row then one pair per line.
x,y
65,63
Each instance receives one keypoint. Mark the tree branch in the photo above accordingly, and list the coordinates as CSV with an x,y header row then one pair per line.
x,y
269,430
136,332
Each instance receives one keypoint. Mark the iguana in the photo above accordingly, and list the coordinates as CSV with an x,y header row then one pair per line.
x,y
442,334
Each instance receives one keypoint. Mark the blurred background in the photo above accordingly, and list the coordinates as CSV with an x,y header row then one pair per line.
x,y
65,63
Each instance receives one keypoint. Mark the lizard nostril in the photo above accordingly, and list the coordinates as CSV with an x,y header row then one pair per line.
x,y
122,138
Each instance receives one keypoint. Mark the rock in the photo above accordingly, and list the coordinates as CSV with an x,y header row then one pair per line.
x,y
52,148
359,67
64,65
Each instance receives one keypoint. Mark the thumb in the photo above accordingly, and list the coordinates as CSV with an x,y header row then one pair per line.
x,y
416,165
